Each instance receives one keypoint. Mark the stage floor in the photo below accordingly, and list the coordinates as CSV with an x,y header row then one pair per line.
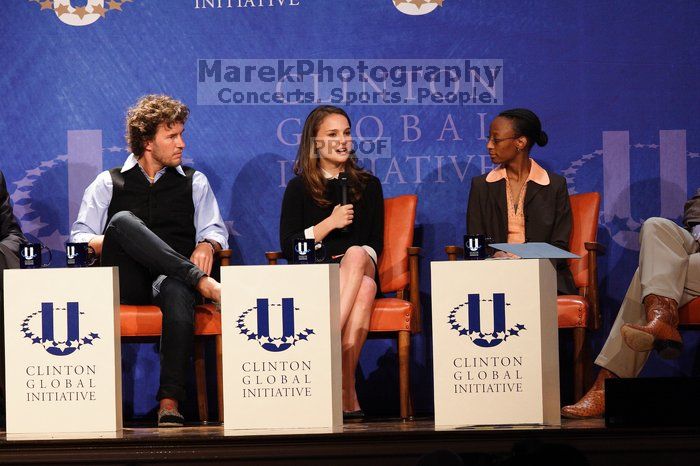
x,y
385,442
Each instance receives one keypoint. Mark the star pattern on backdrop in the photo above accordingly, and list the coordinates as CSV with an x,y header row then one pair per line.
x,y
61,10
99,10
22,206
82,11
55,241
418,3
626,228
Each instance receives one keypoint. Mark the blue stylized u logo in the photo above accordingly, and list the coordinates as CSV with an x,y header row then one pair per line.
x,y
73,328
263,314
499,318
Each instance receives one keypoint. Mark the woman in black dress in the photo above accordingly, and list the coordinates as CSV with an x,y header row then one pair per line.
x,y
350,234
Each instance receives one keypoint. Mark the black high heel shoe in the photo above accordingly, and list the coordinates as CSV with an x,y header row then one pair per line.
x,y
353,415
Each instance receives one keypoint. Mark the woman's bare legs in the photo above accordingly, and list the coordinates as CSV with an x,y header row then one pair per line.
x,y
357,292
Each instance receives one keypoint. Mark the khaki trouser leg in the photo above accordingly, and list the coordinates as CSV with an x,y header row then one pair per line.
x,y
669,265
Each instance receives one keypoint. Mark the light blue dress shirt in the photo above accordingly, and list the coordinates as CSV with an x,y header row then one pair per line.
x,y
92,217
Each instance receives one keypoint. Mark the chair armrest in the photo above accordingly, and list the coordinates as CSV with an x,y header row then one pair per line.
x,y
594,246
224,256
453,252
273,256
414,251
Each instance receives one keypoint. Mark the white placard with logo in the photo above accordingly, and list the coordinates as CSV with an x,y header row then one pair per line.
x,y
62,350
281,346
495,342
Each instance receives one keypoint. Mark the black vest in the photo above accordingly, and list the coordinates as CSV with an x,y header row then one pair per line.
x,y
166,207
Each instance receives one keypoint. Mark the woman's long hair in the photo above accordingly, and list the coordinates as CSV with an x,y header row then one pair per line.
x,y
307,166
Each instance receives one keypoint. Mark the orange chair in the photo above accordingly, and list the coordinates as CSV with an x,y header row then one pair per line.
x,y
398,274
580,311
689,315
143,323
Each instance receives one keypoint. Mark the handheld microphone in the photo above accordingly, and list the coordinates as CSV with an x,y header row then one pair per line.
x,y
343,178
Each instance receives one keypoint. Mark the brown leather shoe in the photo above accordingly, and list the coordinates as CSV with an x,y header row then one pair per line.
x,y
592,404
660,332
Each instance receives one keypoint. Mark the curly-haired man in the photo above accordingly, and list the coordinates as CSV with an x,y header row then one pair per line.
x,y
159,222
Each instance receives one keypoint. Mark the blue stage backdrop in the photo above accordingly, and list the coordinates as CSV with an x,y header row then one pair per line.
x,y
615,84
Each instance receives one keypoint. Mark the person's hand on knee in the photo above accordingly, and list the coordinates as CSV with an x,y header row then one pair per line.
x,y
203,256
96,244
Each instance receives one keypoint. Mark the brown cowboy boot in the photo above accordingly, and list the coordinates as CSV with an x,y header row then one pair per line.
x,y
592,404
661,330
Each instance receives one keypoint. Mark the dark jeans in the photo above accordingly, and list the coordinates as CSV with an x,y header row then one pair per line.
x,y
141,257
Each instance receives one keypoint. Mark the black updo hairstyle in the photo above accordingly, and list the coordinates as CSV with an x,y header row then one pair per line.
x,y
525,123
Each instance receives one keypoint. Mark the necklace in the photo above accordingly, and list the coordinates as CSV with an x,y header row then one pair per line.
x,y
513,198
520,191
517,199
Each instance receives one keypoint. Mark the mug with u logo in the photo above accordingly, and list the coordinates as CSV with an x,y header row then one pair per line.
x,y
30,256
475,247
80,255
304,251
